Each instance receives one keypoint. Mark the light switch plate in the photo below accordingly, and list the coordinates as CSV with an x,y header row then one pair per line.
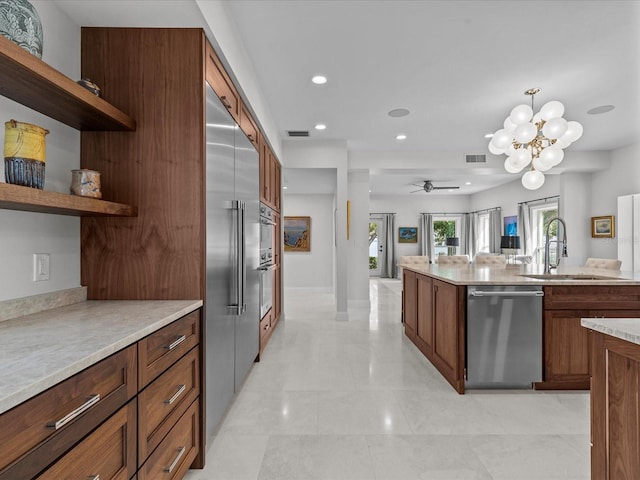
x,y
41,267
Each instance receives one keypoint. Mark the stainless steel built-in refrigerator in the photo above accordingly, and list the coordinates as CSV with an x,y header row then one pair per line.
x,y
232,301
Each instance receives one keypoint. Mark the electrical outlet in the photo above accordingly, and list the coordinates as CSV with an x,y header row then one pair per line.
x,y
41,267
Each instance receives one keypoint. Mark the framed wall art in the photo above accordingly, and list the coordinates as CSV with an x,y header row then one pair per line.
x,y
407,234
511,226
603,227
297,234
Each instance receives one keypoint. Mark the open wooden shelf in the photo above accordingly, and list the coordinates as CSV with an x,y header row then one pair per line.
x,y
15,197
28,80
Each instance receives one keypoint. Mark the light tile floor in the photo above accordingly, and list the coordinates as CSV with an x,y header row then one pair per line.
x,y
356,400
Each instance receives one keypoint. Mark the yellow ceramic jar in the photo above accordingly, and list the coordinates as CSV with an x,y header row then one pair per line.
x,y
24,154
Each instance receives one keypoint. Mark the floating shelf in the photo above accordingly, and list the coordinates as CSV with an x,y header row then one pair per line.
x,y
15,197
28,80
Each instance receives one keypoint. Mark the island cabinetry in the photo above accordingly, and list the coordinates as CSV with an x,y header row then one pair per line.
x,y
615,409
434,316
566,343
410,299
38,431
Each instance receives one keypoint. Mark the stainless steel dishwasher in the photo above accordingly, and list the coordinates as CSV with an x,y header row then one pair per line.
x,y
504,336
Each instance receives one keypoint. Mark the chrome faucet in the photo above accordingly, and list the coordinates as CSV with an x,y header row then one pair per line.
x,y
547,262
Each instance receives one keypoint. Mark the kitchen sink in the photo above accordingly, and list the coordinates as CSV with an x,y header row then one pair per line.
x,y
570,276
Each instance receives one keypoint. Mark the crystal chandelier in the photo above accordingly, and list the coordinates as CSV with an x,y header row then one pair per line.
x,y
536,140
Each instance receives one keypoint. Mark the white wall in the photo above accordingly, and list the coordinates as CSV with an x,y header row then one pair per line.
x,y
623,178
408,210
358,243
23,233
315,268
575,209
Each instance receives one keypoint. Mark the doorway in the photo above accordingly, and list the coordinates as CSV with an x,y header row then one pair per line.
x,y
377,249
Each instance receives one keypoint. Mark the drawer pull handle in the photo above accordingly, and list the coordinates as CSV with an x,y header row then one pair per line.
x,y
225,102
93,477
176,460
91,401
176,342
175,396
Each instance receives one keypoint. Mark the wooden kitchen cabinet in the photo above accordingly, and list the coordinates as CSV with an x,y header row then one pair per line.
x,y
424,313
217,77
615,409
566,343
410,302
270,178
248,126
29,437
104,454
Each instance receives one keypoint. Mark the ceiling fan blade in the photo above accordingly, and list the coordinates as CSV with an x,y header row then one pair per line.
x,y
421,190
445,188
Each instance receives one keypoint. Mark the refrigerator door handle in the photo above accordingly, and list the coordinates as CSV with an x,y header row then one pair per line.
x,y
242,305
235,305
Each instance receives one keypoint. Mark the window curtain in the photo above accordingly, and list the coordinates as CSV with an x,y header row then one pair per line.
x,y
388,267
495,229
468,240
426,240
524,228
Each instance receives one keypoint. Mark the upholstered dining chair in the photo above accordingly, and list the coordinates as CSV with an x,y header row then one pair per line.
x,y
414,260
451,260
607,263
490,260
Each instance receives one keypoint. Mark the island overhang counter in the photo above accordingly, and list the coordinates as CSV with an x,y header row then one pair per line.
x,y
435,314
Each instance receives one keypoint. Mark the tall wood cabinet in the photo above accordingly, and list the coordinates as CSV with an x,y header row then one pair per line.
x,y
615,408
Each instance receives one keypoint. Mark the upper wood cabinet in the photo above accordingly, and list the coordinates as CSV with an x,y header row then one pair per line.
x,y
217,77
248,126
270,175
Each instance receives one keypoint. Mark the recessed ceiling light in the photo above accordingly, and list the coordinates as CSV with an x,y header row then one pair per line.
x,y
285,187
369,191
402,136
321,126
319,79
398,112
488,135
467,183
600,109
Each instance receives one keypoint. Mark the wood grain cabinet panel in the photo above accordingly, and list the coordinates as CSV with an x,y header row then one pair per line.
x,y
425,312
410,299
29,440
161,349
445,324
615,408
248,126
219,80
177,451
108,453
265,329
163,402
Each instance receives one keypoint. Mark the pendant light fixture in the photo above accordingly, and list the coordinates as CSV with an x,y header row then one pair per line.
x,y
536,140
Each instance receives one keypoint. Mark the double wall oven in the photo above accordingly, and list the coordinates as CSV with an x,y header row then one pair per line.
x,y
267,235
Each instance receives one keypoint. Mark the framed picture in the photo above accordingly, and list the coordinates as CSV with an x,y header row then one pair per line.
x,y
407,234
297,234
511,226
603,227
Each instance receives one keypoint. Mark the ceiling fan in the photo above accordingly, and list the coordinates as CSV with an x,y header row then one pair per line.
x,y
428,187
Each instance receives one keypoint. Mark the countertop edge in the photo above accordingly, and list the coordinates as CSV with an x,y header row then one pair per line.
x,y
17,397
623,328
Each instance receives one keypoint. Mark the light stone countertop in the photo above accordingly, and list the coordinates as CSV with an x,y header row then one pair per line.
x,y
40,350
624,328
512,275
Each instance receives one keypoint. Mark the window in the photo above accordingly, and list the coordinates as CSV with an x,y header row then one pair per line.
x,y
482,234
540,216
443,228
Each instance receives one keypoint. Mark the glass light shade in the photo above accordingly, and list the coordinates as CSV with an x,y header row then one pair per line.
x,y
555,128
562,142
526,132
502,139
510,150
511,166
532,180
552,156
552,109
541,165
509,126
521,114
495,150
522,156
536,118
574,131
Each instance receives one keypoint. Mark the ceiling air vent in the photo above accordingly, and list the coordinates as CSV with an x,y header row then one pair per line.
x,y
298,133
475,158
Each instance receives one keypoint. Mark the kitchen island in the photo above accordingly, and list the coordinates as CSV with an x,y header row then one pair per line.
x,y
615,411
435,314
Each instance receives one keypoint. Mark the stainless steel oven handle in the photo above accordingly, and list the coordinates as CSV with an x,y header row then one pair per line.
x,y
266,268
530,293
266,221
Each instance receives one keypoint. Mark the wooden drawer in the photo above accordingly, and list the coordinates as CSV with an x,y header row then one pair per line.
x,y
265,326
28,444
108,453
163,402
592,297
161,349
177,451
248,126
221,83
